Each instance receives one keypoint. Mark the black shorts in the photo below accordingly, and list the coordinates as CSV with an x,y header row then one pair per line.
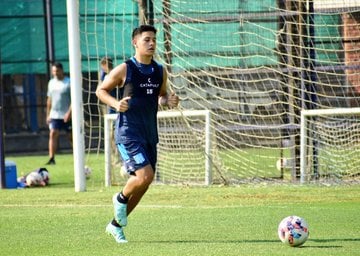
x,y
59,124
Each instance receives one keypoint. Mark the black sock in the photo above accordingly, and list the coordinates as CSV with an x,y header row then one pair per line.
x,y
122,199
114,222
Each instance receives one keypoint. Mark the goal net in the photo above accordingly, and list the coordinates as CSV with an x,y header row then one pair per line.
x,y
186,150
254,65
330,144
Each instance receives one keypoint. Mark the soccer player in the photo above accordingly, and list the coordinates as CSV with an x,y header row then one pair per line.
x,y
144,88
58,108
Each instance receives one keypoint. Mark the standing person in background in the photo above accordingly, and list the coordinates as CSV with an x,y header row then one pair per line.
x,y
106,65
144,88
58,108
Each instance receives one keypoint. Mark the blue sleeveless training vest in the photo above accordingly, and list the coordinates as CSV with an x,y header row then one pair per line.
x,y
139,122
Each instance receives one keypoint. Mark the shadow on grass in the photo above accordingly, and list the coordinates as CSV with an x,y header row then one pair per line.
x,y
323,241
60,184
335,240
212,241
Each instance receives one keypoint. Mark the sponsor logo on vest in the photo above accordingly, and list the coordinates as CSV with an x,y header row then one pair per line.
x,y
149,84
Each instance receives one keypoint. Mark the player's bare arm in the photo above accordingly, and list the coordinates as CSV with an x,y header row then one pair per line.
x,y
115,78
67,116
170,100
48,108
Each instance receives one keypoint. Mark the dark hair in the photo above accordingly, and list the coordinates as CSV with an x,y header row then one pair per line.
x,y
58,65
143,28
107,60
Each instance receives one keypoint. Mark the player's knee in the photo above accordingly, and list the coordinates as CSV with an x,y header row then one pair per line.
x,y
146,180
146,177
54,133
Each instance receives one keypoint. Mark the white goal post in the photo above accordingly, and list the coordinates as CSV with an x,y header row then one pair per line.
x,y
305,115
206,114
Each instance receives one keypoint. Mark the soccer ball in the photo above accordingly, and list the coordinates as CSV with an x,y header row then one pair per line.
x,y
284,163
293,231
88,171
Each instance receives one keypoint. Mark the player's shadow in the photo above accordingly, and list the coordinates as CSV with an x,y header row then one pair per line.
x,y
322,241
214,241
335,240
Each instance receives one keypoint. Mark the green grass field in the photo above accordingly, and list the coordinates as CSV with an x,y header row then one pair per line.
x,y
173,220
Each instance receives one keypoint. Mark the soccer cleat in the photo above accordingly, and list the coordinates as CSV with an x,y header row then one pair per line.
x,y
120,213
116,232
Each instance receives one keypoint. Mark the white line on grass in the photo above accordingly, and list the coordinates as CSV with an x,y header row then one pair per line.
x,y
109,205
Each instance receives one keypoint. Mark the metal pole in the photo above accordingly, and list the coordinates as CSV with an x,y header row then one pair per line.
x,y
2,156
108,121
76,94
313,79
283,63
208,146
49,34
303,147
151,12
